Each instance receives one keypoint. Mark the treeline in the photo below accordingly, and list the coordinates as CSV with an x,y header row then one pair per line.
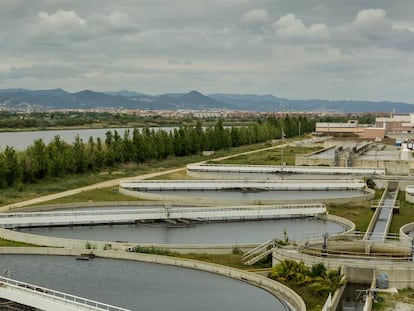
x,y
58,158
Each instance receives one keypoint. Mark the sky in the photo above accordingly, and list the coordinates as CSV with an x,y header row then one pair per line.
x,y
298,49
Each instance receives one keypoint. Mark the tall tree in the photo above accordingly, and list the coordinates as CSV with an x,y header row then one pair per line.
x,y
12,166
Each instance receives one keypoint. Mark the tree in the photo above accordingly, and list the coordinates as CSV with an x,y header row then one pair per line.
x,y
12,166
79,155
37,159
3,171
99,156
55,153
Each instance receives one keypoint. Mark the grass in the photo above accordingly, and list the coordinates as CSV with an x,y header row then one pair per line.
x,y
312,300
405,216
8,243
231,260
55,185
359,213
174,176
387,302
270,157
98,195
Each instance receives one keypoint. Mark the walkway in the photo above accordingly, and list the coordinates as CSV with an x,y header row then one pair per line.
x,y
269,169
381,220
182,214
47,299
243,186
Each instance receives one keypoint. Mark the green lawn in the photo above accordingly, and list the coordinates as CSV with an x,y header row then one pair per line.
x,y
270,157
405,216
8,243
98,195
360,214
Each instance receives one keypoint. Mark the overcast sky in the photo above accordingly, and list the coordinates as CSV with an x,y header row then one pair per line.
x,y
331,49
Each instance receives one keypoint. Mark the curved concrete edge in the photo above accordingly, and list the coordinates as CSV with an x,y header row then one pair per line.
x,y
271,169
409,194
368,194
275,288
100,245
346,223
361,246
404,230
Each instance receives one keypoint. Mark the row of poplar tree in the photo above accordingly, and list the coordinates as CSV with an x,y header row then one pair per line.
x,y
58,158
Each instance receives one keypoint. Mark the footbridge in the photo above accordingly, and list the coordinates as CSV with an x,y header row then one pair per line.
x,y
271,169
47,299
162,213
381,220
248,185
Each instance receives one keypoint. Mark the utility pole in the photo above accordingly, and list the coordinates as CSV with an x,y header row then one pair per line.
x,y
281,157
299,127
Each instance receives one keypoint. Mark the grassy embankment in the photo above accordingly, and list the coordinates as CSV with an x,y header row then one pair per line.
x,y
270,157
8,243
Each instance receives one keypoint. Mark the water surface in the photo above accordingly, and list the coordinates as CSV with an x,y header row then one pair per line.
x,y
138,285
214,233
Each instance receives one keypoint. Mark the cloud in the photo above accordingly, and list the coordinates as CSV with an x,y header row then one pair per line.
x,y
403,27
255,17
116,22
289,26
66,23
372,22
226,2
63,25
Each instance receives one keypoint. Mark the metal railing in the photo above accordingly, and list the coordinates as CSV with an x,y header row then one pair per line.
x,y
64,298
393,256
158,210
354,261
273,168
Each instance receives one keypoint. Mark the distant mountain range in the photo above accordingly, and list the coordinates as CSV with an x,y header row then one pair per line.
x,y
21,99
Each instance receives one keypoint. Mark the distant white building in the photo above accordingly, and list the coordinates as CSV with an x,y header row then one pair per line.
x,y
397,123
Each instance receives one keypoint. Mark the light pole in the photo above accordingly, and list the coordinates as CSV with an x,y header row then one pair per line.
x,y
281,156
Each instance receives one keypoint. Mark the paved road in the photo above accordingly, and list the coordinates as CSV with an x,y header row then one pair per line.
x,y
115,182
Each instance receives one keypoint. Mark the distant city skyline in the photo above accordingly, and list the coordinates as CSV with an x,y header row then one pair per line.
x,y
304,49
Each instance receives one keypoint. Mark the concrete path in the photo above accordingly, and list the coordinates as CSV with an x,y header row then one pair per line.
x,y
115,182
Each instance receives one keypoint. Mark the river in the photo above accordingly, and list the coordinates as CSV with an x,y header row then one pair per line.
x,y
21,140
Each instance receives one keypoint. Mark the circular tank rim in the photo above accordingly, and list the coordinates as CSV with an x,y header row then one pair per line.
x,y
277,289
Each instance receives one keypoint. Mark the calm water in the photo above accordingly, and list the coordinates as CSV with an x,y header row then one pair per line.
x,y
263,195
138,285
21,140
216,233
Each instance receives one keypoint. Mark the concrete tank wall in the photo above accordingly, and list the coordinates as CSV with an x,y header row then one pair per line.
x,y
81,244
276,288
368,194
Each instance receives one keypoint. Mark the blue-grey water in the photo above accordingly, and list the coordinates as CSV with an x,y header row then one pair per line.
x,y
21,140
214,233
294,195
139,286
